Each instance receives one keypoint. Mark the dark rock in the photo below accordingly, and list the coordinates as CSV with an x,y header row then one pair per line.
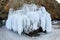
x,y
35,32
1,22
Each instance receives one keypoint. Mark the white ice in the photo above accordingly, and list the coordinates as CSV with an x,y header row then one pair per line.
x,y
34,17
47,20
8,22
28,18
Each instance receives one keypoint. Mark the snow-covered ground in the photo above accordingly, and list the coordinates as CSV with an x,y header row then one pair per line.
x,y
10,35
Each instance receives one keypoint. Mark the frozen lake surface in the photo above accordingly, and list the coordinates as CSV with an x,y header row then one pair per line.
x,y
10,35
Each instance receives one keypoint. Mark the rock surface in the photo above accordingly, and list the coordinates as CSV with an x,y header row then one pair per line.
x,y
52,6
3,13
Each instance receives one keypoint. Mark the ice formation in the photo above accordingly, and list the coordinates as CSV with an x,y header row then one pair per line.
x,y
8,22
48,24
28,18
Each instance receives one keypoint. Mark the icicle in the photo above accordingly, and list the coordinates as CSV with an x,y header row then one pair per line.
x,y
48,25
34,17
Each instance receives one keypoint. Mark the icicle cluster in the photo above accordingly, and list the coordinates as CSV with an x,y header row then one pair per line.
x,y
28,18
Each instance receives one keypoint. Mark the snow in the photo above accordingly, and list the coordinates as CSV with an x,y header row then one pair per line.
x,y
58,1
28,18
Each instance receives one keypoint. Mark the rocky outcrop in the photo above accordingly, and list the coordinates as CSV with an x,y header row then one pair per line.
x,y
3,13
52,6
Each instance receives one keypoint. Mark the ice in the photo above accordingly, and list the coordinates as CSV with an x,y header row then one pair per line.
x,y
41,19
11,10
48,24
29,7
34,17
28,18
23,23
9,23
9,20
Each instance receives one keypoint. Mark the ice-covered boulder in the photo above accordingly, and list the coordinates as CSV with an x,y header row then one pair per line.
x,y
28,19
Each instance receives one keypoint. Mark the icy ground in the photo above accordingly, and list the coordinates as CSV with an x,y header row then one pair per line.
x,y
10,35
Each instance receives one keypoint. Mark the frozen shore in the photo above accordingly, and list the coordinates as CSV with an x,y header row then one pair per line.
x,y
9,35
